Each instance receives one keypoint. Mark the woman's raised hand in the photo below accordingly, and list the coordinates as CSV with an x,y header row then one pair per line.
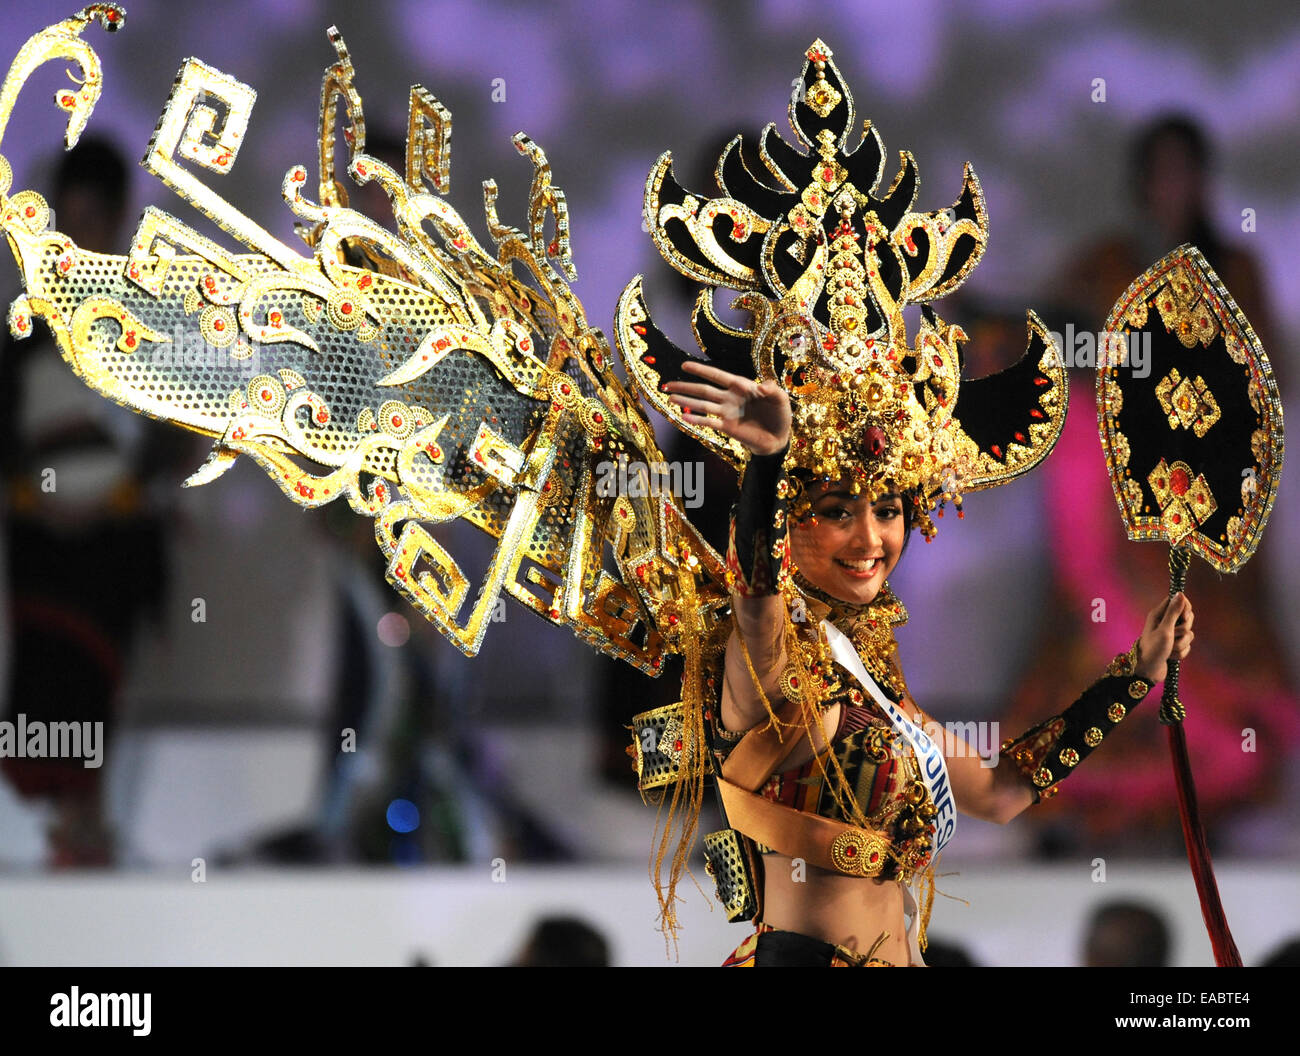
x,y
1167,635
755,413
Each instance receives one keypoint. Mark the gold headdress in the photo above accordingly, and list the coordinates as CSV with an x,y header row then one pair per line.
x,y
825,269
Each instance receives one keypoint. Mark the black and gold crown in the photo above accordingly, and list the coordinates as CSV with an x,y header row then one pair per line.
x,y
825,267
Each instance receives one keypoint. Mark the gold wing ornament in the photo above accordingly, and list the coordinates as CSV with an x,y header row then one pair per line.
x,y
421,377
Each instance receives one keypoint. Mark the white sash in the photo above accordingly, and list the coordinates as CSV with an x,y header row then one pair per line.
x,y
930,762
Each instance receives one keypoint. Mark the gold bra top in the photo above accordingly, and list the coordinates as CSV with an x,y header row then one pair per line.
x,y
869,777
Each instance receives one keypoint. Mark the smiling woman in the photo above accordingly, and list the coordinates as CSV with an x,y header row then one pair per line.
x,y
848,543
850,811
838,800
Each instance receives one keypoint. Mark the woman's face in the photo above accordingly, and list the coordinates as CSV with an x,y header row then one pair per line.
x,y
848,546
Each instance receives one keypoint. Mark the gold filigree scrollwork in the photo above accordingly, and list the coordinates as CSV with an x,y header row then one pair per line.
x,y
338,84
204,120
428,142
63,41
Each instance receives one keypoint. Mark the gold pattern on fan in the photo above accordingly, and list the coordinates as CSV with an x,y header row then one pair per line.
x,y
1187,402
1184,501
1184,311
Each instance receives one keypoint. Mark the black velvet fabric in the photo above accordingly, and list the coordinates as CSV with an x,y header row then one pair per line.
x,y
788,949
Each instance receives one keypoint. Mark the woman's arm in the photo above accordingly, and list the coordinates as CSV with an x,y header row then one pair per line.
x,y
1034,763
758,415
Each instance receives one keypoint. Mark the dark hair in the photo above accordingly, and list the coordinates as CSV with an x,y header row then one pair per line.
x,y
909,521
1175,128
1138,936
565,942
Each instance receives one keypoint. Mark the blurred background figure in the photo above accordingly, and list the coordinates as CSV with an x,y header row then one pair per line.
x,y
1243,713
563,942
1171,164
941,954
85,547
1285,956
1126,935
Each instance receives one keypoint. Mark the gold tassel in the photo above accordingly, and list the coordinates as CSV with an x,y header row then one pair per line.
x,y
688,790
758,685
926,907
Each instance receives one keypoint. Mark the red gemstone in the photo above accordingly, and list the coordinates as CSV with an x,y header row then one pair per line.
x,y
1020,438
850,852
346,307
997,451
874,441
1179,481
